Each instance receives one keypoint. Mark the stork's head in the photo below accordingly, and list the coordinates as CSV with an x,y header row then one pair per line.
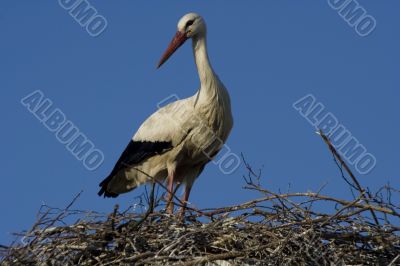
x,y
189,26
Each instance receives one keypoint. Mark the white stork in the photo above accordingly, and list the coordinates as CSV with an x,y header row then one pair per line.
x,y
177,141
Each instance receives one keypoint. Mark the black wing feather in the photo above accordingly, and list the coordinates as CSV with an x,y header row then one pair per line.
x,y
134,153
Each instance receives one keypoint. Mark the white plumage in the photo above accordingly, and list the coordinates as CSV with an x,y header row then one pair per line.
x,y
177,141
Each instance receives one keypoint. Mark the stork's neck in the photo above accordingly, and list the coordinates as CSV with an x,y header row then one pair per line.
x,y
208,79
212,99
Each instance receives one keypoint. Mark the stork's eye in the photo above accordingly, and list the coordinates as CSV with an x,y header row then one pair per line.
x,y
190,22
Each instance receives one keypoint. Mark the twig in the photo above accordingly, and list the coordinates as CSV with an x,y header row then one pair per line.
x,y
355,181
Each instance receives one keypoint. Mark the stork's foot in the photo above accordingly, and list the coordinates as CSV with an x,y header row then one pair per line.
x,y
184,200
182,212
170,208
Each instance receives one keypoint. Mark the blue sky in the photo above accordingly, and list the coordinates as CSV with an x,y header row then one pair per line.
x,y
269,54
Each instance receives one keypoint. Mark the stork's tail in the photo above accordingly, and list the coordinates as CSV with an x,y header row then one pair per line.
x,y
104,188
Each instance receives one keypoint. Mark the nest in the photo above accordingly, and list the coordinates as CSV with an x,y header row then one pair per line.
x,y
274,229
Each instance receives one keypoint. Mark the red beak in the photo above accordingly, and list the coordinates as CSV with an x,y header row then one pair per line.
x,y
176,42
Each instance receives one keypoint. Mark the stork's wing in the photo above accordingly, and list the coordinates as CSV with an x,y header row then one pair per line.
x,y
162,131
171,123
134,153
137,151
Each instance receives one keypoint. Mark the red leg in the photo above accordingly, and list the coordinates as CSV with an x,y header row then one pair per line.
x,y
185,198
170,187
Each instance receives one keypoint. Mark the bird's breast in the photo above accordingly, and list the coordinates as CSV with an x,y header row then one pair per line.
x,y
211,127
